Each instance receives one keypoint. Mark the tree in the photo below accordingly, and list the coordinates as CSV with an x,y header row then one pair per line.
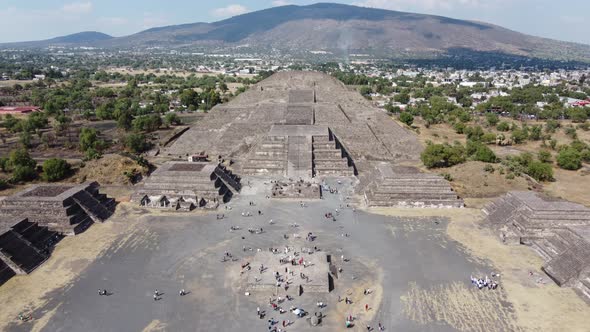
x,y
89,140
442,155
406,118
23,173
402,98
485,154
20,157
172,119
540,171
137,143
492,119
519,135
55,169
22,166
569,159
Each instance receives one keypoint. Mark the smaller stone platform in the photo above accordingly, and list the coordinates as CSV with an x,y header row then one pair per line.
x,y
184,186
24,247
297,190
303,272
558,230
64,208
407,187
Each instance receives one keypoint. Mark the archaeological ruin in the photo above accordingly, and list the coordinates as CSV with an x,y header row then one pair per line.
x,y
23,247
307,272
64,208
304,126
184,186
558,230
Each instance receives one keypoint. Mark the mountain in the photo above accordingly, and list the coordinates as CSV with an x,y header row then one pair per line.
x,y
85,38
344,29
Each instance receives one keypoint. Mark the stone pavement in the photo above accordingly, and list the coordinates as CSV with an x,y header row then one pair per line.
x,y
169,253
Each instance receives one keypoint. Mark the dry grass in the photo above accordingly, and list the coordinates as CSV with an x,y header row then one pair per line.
x,y
537,307
110,169
471,181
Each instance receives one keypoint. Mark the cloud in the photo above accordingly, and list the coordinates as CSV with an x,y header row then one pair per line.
x,y
278,3
77,8
113,20
231,10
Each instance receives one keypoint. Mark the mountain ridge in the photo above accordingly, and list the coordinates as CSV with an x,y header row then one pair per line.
x,y
339,28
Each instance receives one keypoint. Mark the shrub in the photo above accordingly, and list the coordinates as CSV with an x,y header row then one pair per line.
x,y
447,177
519,135
55,169
585,155
172,119
22,173
406,118
492,119
510,176
485,154
459,127
4,164
20,157
551,126
540,171
544,156
571,133
3,184
488,138
474,133
442,155
503,126
569,159
137,143
89,140
488,168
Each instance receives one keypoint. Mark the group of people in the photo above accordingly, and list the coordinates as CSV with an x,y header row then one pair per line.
x,y
484,283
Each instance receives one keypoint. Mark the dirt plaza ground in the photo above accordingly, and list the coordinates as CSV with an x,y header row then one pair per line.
x,y
416,264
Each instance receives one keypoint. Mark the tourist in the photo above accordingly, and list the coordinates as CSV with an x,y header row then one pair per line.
x,y
366,307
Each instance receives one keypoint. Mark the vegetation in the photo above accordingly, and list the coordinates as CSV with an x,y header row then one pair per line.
x,y
569,158
442,155
55,169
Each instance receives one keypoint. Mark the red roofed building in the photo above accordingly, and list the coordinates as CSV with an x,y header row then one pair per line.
x,y
18,109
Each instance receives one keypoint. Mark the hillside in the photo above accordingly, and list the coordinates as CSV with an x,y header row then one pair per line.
x,y
344,29
85,38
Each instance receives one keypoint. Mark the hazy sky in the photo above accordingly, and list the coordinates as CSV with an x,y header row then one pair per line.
x,y
41,19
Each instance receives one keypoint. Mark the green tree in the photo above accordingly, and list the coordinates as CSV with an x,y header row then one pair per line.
x,y
89,140
442,155
172,119
569,159
402,98
519,135
137,143
55,169
492,119
540,171
406,118
23,173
